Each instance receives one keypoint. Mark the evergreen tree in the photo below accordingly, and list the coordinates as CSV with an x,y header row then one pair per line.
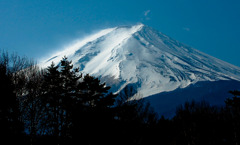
x,y
95,93
70,78
52,90
93,112
60,89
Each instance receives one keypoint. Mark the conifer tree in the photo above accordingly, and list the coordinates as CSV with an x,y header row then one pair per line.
x,y
52,88
70,78
93,112
60,89
95,93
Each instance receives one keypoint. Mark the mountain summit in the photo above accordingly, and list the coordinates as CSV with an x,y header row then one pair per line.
x,y
141,55
144,58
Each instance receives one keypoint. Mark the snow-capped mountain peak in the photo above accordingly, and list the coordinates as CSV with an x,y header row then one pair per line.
x,y
141,56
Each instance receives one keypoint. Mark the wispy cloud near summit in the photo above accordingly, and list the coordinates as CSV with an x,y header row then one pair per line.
x,y
147,12
186,29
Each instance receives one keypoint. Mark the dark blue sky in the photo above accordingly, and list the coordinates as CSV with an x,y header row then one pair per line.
x,y
36,28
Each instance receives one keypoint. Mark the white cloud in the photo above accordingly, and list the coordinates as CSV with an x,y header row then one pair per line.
x,y
146,15
186,28
147,12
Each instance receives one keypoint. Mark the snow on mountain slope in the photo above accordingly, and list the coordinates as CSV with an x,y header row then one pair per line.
x,y
142,56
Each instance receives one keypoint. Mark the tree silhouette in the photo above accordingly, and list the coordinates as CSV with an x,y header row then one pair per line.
x,y
59,105
233,106
31,103
52,90
11,128
93,112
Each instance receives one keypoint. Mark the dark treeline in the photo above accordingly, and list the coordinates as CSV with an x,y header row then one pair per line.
x,y
61,106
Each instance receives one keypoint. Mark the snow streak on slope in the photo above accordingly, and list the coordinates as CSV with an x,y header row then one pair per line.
x,y
70,50
145,58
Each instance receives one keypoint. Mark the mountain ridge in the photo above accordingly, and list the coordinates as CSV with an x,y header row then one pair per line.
x,y
142,56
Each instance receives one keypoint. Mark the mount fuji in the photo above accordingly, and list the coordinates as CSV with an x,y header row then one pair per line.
x,y
158,68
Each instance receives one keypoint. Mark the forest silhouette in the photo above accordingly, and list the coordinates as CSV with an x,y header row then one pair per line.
x,y
61,106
